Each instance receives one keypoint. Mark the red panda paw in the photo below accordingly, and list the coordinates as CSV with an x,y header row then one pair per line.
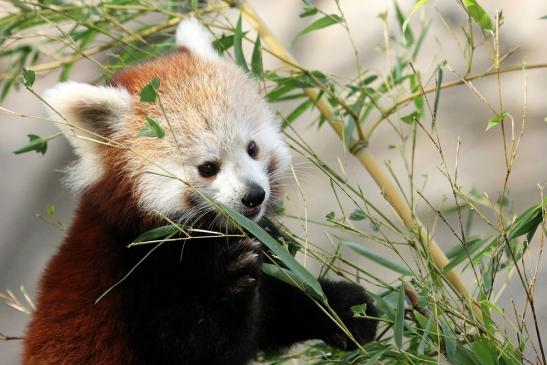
x,y
242,263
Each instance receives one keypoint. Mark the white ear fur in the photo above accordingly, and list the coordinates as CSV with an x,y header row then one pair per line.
x,y
87,108
87,112
193,35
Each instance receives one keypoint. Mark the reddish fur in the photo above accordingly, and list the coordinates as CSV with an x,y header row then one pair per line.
x,y
85,332
167,68
82,332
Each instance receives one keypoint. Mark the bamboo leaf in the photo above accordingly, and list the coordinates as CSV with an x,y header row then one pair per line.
x,y
152,129
438,83
308,12
29,77
411,118
358,215
300,109
478,14
157,233
425,335
404,26
399,318
149,92
256,59
321,23
363,251
496,120
36,144
309,282
223,43
527,222
286,276
238,47
464,253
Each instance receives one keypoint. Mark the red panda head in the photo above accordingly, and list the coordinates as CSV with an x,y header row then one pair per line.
x,y
221,139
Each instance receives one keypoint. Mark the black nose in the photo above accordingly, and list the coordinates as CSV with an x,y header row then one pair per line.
x,y
254,196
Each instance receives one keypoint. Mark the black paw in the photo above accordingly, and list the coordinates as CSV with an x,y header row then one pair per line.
x,y
242,262
342,296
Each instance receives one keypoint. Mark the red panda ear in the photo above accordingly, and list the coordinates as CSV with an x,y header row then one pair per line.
x,y
87,112
192,35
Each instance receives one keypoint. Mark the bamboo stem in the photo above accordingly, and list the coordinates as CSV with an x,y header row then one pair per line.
x,y
390,193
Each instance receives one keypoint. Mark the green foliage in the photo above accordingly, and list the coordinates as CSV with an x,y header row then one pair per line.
x,y
149,93
497,120
321,23
36,144
297,271
422,319
238,47
29,77
478,14
151,129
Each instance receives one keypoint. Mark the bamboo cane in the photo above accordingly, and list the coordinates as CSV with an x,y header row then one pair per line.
x,y
390,193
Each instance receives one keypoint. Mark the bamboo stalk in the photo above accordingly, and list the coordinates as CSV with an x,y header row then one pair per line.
x,y
390,193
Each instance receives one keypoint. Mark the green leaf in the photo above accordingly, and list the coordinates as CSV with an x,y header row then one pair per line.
x,y
404,26
543,17
450,344
527,222
360,249
357,215
359,310
36,143
304,277
464,356
464,252
330,216
50,210
478,14
407,38
323,22
411,118
370,79
223,43
256,59
438,83
485,352
425,335
418,100
497,120
152,129
308,12
149,92
238,47
29,77
286,276
307,104
399,318
158,233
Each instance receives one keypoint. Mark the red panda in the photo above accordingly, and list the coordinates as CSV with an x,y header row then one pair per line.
x,y
201,301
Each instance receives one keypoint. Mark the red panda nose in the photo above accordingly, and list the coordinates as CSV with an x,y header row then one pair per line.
x,y
254,197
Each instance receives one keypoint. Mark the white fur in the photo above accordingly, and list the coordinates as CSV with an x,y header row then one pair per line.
x,y
162,193
194,36
63,101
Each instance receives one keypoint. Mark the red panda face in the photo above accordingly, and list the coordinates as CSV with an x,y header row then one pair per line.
x,y
221,139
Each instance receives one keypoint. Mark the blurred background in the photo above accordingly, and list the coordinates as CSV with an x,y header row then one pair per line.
x,y
30,182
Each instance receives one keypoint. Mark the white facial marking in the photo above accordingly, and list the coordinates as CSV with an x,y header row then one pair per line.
x,y
162,188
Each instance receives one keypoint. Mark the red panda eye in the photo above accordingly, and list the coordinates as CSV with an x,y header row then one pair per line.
x,y
252,149
208,169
